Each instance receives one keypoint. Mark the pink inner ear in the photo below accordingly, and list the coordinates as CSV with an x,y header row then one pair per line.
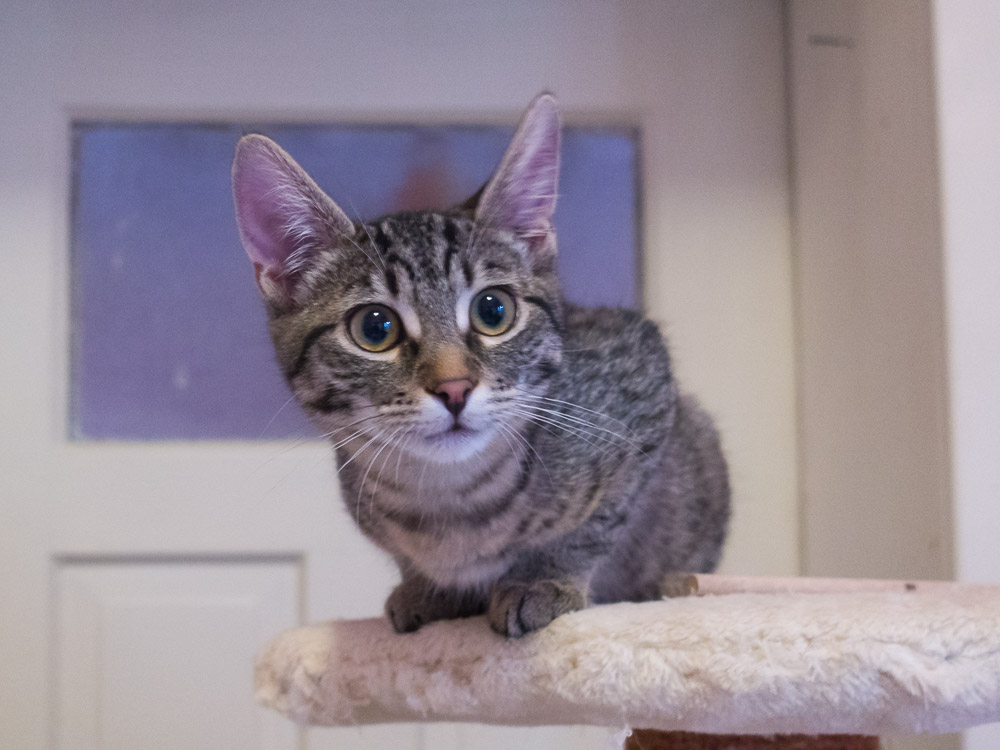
x,y
522,194
532,197
263,192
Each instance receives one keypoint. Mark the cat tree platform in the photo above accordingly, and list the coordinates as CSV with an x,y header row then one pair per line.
x,y
770,657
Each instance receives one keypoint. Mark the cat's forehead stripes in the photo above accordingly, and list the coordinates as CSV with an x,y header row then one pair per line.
x,y
438,249
419,253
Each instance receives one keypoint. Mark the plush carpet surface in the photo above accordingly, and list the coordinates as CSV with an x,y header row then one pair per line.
x,y
865,663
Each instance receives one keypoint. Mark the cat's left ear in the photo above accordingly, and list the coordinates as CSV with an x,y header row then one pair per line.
x,y
283,217
522,194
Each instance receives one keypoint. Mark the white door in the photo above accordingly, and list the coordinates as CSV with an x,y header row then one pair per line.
x,y
138,578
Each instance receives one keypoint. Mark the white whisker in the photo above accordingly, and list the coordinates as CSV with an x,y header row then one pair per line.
x,y
526,394
399,454
577,432
583,422
524,441
364,479
271,420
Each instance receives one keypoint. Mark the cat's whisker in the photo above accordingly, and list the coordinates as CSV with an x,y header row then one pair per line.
x,y
324,458
572,427
371,464
583,422
408,436
297,443
344,441
294,466
479,226
527,443
370,238
275,416
526,394
571,430
300,440
357,453
502,428
567,419
330,433
505,429
284,449
399,447
378,263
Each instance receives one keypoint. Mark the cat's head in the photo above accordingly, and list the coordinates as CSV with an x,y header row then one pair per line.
x,y
423,328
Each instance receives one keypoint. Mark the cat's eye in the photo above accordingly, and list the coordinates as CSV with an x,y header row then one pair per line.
x,y
375,328
492,312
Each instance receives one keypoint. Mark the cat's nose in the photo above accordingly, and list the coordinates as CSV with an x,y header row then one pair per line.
x,y
453,393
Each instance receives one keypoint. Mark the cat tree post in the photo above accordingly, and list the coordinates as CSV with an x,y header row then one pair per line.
x,y
759,657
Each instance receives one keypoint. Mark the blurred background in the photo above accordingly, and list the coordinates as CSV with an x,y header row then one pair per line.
x,y
816,231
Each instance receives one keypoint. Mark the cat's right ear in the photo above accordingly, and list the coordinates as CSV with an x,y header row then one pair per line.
x,y
521,196
283,217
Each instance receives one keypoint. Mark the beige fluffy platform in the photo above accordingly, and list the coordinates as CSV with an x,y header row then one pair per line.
x,y
864,661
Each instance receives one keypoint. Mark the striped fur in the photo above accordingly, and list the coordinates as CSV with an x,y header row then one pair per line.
x,y
578,473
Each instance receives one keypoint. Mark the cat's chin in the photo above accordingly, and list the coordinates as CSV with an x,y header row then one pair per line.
x,y
451,446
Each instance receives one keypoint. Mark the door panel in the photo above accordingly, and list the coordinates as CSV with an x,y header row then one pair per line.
x,y
154,653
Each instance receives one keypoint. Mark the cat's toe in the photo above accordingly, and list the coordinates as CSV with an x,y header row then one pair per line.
x,y
517,609
403,611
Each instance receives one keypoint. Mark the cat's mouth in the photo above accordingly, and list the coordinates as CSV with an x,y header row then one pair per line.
x,y
456,430
455,435
454,443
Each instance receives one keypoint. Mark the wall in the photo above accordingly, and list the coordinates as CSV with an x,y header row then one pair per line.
x,y
706,82
873,393
967,40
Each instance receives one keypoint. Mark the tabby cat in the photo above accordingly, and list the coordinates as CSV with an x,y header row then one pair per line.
x,y
517,455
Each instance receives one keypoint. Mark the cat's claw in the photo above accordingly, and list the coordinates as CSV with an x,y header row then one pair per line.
x,y
517,608
413,604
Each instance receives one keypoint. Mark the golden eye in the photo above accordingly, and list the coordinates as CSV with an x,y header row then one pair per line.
x,y
492,312
375,328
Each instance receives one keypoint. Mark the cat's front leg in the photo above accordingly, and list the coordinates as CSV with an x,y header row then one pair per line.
x,y
519,607
416,602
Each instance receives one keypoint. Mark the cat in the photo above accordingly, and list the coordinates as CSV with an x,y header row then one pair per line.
x,y
517,455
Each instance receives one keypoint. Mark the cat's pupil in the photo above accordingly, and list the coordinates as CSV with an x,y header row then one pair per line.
x,y
376,327
491,310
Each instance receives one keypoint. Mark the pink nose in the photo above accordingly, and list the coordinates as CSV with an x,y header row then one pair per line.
x,y
453,393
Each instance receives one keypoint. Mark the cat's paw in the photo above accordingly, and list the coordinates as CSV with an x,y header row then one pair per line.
x,y
413,604
674,585
408,608
520,608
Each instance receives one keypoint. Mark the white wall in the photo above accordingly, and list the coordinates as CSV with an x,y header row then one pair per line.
x,y
706,83
873,375
967,41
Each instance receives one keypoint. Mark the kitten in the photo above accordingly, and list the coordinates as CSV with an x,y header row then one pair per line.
x,y
517,455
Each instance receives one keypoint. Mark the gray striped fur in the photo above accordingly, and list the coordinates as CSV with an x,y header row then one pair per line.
x,y
589,476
